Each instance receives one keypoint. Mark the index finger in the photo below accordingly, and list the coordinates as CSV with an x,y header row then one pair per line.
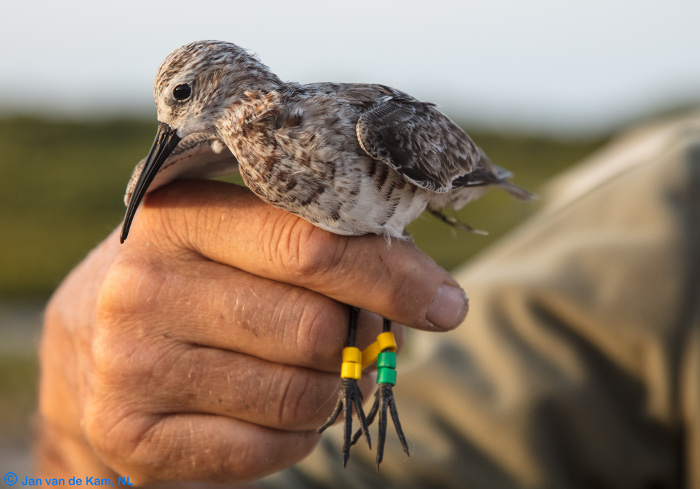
x,y
228,224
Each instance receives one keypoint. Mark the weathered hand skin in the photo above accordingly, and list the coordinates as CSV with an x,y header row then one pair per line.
x,y
206,347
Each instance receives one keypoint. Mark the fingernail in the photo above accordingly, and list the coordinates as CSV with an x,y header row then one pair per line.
x,y
449,307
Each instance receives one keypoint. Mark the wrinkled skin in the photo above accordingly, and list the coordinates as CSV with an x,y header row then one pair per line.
x,y
207,346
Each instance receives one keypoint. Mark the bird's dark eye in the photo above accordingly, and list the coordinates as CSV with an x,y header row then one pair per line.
x,y
182,92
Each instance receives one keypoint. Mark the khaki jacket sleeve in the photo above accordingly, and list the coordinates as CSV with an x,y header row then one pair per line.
x,y
579,362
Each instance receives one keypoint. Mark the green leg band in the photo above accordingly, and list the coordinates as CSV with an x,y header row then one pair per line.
x,y
386,363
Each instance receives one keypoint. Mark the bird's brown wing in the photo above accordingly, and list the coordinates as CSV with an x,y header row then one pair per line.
x,y
421,143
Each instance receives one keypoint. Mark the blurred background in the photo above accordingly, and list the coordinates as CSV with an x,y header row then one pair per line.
x,y
538,84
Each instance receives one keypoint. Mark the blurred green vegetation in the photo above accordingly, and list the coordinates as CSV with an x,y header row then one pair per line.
x,y
63,187
18,377
64,182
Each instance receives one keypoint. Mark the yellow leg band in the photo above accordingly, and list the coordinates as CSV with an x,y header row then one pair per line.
x,y
352,363
385,341
352,354
351,370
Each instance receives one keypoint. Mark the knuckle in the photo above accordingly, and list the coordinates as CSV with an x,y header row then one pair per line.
x,y
127,364
125,305
116,368
112,360
146,448
117,433
150,450
129,287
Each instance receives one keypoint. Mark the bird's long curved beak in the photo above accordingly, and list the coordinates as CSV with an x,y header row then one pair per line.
x,y
165,142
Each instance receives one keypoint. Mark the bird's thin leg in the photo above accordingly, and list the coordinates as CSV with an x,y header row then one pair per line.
x,y
349,395
454,222
383,400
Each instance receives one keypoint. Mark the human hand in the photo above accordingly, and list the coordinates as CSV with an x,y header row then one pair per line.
x,y
207,346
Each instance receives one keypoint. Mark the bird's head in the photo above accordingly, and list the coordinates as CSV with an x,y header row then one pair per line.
x,y
196,82
193,87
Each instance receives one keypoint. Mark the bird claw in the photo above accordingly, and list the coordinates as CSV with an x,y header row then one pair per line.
x,y
383,399
349,395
